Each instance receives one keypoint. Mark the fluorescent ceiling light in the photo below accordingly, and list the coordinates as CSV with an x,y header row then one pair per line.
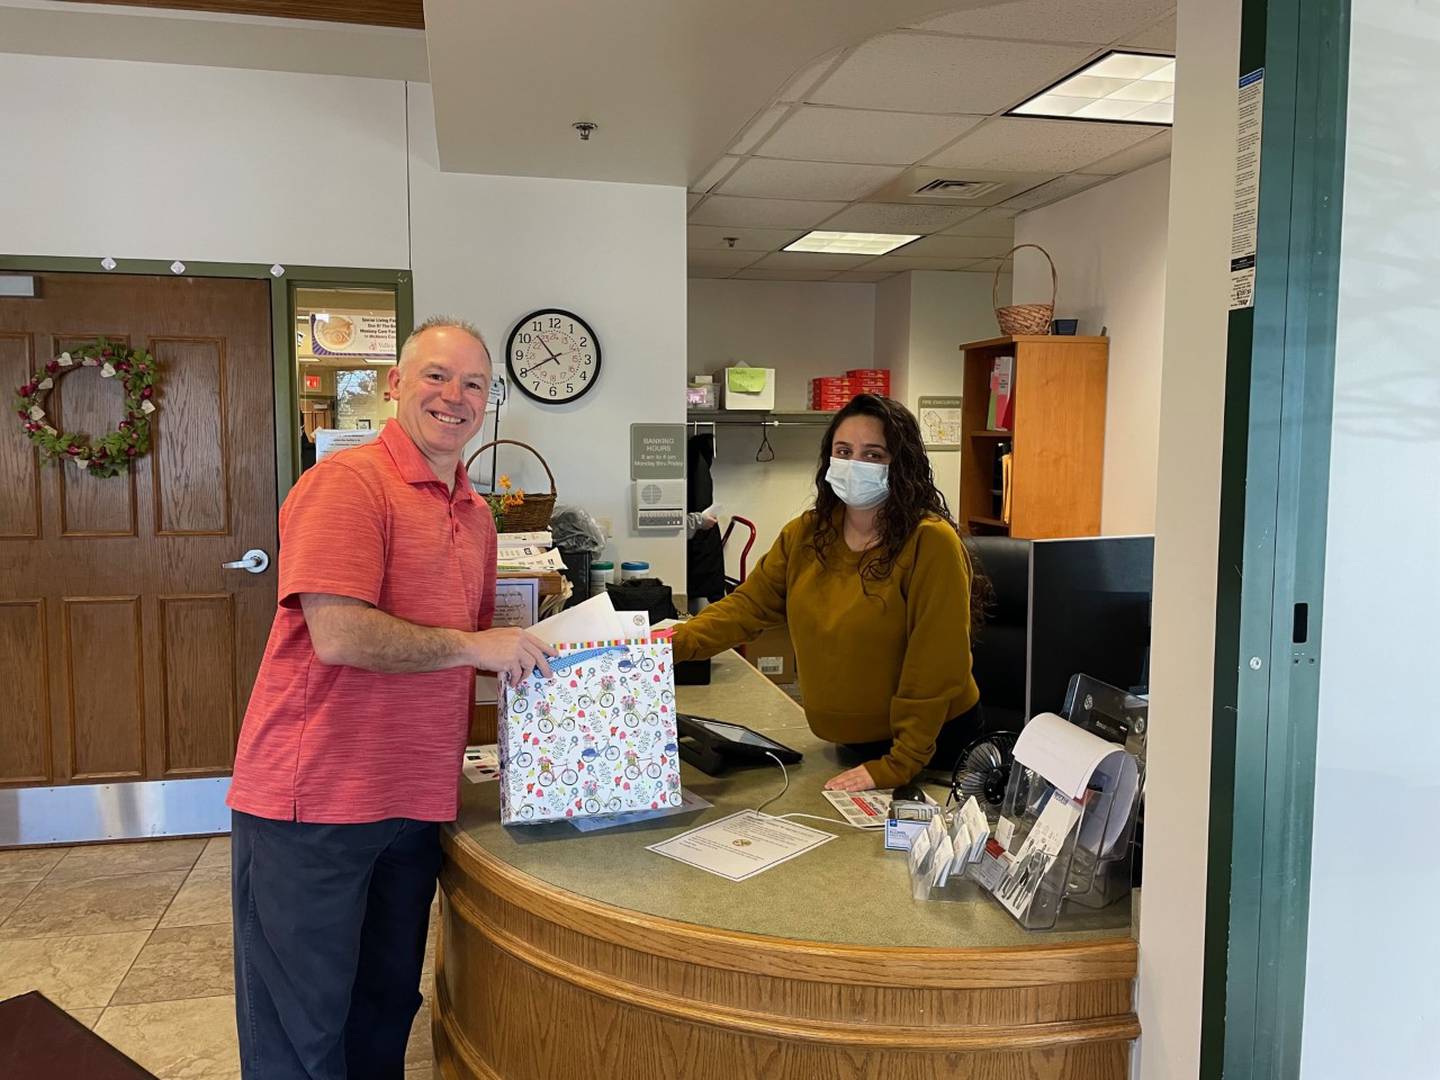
x,y
1121,87
851,243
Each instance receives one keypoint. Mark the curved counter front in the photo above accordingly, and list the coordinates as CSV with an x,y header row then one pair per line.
x,y
564,954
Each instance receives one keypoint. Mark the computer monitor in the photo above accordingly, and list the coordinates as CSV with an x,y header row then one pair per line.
x,y
1089,614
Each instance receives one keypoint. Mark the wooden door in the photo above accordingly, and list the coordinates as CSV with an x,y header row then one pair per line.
x,y
131,652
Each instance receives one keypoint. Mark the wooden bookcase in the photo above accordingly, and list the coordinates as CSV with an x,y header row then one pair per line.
x,y
1057,437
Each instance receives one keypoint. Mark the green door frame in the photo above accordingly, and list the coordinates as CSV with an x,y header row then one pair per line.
x,y
282,321
1274,504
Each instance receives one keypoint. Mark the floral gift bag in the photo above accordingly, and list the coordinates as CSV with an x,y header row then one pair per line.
x,y
598,738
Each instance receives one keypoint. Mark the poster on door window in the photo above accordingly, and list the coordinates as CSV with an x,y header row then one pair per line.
x,y
1244,225
352,333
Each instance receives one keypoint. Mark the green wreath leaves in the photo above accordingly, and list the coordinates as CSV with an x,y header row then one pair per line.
x,y
108,455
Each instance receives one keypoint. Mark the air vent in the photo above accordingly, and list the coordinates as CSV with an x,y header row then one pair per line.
x,y
955,189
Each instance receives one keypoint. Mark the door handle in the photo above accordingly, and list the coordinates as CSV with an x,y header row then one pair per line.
x,y
253,561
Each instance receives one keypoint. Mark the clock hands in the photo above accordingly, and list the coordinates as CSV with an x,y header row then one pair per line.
x,y
545,347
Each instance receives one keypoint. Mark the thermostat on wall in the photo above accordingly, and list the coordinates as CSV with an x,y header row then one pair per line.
x,y
659,504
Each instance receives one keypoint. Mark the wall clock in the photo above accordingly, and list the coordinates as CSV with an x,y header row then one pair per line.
x,y
553,356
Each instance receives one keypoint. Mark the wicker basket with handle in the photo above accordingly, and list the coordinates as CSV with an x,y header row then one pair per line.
x,y
533,515
1024,318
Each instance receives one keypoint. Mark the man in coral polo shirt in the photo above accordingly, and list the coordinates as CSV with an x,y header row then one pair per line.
x,y
350,751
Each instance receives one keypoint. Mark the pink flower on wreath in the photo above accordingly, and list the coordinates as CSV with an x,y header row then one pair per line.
x,y
53,366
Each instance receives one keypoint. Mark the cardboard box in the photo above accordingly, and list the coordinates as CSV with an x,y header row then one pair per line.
x,y
773,656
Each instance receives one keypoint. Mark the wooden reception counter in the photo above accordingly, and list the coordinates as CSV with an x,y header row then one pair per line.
x,y
568,955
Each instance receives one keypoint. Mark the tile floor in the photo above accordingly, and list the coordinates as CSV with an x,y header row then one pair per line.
x,y
134,941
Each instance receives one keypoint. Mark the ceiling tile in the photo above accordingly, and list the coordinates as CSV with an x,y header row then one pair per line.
x,y
860,275
732,259
763,213
714,174
890,263
709,271
815,133
1039,145
1158,38
896,218
760,127
691,199
1059,188
958,247
1096,22
992,221
702,237
1156,148
811,260
785,275
929,73
806,79
805,179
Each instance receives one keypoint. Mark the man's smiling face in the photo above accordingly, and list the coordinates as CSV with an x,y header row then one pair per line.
x,y
440,392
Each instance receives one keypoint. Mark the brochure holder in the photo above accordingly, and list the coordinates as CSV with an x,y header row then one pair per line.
x,y
1068,818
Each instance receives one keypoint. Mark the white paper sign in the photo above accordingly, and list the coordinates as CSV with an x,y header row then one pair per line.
x,y
332,440
1244,226
742,845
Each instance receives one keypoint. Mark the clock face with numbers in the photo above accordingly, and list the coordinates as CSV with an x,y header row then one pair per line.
x,y
553,356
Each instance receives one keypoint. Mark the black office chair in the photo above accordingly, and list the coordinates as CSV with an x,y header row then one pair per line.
x,y
999,647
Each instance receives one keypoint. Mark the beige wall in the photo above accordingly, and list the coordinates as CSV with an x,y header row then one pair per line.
x,y
1172,922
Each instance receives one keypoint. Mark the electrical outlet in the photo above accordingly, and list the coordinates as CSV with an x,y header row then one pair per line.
x,y
607,526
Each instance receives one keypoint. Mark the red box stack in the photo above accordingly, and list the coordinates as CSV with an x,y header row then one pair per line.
x,y
870,380
832,393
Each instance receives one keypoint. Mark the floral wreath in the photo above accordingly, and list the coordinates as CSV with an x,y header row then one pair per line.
x,y
111,454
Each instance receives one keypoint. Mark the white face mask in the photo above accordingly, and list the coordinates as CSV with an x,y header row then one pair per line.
x,y
861,484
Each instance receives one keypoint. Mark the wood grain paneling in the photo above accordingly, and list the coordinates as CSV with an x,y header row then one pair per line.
x,y
409,14
24,693
19,460
197,639
160,531
1059,439
105,687
536,983
191,454
84,402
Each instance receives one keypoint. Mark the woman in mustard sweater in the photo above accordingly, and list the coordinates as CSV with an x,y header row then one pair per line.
x,y
876,588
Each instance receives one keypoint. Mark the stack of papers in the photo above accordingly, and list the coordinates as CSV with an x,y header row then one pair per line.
x,y
528,551
594,620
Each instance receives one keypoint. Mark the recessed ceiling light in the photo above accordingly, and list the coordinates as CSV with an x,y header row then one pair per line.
x,y
851,243
1120,87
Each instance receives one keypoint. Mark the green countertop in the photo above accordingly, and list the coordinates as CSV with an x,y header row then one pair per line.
x,y
850,891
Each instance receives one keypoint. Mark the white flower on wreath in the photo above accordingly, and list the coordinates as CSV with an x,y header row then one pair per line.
x,y
84,463
90,361
49,430
146,407
65,359
45,384
108,371
37,413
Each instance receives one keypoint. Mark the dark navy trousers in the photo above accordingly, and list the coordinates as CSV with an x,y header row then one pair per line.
x,y
330,925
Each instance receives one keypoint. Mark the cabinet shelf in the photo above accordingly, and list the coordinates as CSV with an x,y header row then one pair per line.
x,y
798,418
1056,442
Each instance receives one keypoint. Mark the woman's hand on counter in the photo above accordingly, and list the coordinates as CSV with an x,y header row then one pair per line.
x,y
856,779
511,653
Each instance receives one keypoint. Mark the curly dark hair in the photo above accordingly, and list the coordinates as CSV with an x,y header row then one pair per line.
x,y
912,497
